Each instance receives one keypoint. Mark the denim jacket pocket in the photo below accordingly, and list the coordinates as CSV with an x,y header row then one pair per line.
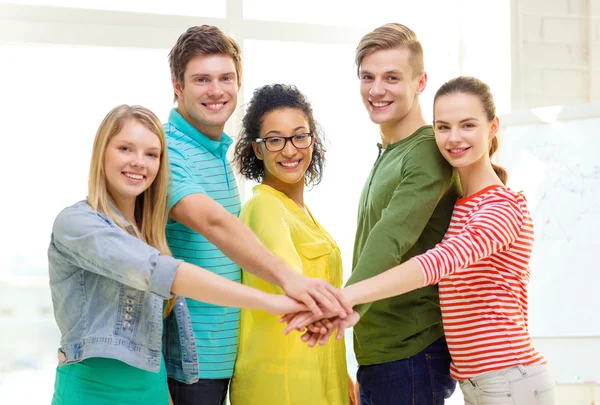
x,y
128,312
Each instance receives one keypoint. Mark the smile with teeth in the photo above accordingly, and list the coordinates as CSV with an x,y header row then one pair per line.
x,y
289,165
215,106
134,176
458,151
380,104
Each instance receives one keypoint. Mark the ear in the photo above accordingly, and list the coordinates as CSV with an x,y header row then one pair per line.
x,y
494,127
257,151
422,83
177,87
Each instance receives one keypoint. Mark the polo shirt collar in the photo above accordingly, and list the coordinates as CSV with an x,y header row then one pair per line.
x,y
217,148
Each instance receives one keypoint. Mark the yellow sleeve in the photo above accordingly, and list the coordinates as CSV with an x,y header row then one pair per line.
x,y
269,219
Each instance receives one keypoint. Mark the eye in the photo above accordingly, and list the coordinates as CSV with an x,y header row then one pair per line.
x,y
124,148
274,141
153,155
227,79
393,78
442,127
366,77
469,125
201,80
300,137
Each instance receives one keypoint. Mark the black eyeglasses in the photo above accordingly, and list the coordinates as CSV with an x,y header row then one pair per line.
x,y
277,143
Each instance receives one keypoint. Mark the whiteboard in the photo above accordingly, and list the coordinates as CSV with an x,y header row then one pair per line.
x,y
557,164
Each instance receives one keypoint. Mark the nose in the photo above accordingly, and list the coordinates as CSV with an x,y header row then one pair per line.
x,y
377,88
454,136
214,89
289,149
138,160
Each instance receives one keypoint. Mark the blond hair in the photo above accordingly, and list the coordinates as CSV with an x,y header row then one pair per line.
x,y
151,206
390,36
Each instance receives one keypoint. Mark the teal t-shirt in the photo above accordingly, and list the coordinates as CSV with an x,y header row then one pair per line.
x,y
199,165
102,381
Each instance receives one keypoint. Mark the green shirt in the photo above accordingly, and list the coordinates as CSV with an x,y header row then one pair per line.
x,y
101,381
405,208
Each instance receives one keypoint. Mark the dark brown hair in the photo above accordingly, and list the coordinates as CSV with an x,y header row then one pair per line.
x,y
473,86
390,36
202,40
264,100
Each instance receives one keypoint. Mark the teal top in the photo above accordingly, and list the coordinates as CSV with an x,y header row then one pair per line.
x,y
199,165
103,381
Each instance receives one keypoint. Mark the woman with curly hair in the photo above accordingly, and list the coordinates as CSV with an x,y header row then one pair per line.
x,y
281,147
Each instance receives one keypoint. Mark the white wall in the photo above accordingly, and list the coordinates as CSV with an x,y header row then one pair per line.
x,y
556,52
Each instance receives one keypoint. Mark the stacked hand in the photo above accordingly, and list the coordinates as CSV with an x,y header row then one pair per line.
x,y
316,294
314,305
319,328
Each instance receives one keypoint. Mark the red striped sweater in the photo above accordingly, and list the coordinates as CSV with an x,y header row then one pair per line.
x,y
482,266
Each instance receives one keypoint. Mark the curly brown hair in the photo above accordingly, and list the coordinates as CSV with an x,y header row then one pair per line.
x,y
264,100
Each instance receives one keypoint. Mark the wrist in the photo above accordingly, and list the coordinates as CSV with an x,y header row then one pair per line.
x,y
350,295
285,275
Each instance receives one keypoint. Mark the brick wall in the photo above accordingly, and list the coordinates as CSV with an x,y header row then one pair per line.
x,y
556,52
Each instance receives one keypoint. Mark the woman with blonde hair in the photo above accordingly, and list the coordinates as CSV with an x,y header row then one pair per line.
x,y
111,271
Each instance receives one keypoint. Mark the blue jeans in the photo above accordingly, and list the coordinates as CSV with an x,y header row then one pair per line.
x,y
202,392
423,379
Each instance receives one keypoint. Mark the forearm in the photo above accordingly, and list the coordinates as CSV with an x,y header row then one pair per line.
x,y
398,280
202,285
247,250
232,237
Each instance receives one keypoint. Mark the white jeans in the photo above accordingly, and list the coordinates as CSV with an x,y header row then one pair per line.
x,y
519,385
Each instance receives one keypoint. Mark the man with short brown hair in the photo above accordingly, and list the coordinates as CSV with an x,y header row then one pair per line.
x,y
200,349
404,210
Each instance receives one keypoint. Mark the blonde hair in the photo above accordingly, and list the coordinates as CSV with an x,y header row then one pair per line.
x,y
390,36
151,206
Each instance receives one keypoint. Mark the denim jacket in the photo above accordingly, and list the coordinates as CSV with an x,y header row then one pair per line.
x,y
108,289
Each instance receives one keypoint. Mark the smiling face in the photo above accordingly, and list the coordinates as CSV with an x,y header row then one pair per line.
x,y
388,87
131,162
208,96
463,130
286,168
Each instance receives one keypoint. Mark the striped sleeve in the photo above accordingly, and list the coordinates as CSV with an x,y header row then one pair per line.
x,y
183,182
494,227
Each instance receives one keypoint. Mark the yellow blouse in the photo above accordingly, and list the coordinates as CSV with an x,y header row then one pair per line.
x,y
273,369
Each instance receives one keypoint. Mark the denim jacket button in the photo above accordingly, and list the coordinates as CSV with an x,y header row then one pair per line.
x,y
128,317
126,325
128,309
61,356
